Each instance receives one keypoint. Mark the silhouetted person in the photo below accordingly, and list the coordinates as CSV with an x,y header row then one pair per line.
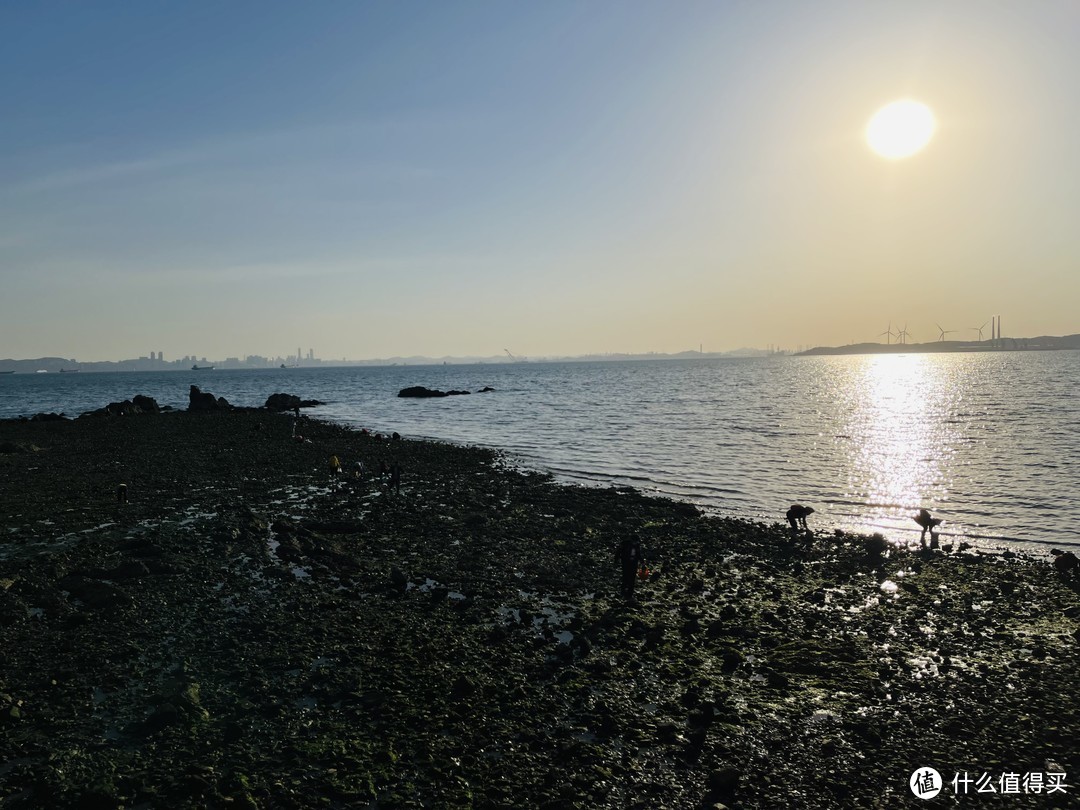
x,y
928,523
395,478
630,557
121,494
797,515
1066,563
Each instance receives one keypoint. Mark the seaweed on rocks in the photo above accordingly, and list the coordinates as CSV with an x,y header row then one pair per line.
x,y
250,629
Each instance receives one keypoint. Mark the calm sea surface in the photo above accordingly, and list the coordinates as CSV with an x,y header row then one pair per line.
x,y
990,442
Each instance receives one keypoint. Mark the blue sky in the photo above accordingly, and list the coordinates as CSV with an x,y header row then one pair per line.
x,y
557,178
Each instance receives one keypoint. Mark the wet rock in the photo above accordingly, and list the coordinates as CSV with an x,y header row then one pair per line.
x,y
338,560
93,593
463,688
136,406
98,797
146,404
398,580
420,392
289,402
731,659
289,550
724,781
12,609
204,401
9,448
875,545
48,417
133,569
701,718
334,526
474,520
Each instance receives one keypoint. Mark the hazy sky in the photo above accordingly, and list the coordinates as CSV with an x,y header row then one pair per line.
x,y
376,179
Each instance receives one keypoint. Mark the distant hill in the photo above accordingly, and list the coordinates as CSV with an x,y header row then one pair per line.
x,y
1041,343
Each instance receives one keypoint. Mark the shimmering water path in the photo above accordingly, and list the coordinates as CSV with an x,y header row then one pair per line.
x,y
990,442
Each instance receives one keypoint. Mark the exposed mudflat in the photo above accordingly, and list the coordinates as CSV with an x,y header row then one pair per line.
x,y
252,629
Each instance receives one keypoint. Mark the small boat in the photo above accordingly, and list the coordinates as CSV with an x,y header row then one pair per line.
x,y
12,371
68,370
202,368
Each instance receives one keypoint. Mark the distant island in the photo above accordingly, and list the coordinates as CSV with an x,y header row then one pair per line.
x,y
1043,343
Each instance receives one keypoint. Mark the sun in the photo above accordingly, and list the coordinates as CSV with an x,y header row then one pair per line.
x,y
900,129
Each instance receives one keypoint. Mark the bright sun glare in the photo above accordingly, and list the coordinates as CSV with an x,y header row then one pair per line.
x,y
900,129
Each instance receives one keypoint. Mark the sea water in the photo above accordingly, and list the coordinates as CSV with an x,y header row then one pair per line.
x,y
990,442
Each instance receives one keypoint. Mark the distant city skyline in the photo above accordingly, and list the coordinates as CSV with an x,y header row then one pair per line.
x,y
156,360
558,178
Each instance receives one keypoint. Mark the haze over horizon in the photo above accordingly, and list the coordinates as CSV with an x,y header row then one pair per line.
x,y
380,180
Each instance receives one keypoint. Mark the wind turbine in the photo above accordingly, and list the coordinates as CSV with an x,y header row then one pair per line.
x,y
944,332
888,334
903,335
979,330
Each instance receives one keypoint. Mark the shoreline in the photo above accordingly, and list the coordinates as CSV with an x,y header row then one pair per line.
x,y
757,477
983,543
245,628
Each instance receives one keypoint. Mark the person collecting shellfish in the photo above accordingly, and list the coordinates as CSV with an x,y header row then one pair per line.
x,y
630,557
928,523
797,515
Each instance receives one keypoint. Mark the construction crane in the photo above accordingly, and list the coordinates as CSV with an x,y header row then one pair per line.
x,y
512,358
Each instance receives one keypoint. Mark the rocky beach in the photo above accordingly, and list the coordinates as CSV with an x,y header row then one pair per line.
x,y
239,625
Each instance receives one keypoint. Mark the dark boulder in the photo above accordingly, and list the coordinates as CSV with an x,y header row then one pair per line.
x,y
289,402
139,404
420,391
92,592
47,417
485,389
205,401
145,404
14,447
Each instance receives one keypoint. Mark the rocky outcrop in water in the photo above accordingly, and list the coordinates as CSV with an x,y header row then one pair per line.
x,y
205,401
420,392
289,402
145,404
137,405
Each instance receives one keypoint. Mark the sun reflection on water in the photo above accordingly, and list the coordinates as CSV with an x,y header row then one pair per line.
x,y
899,438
